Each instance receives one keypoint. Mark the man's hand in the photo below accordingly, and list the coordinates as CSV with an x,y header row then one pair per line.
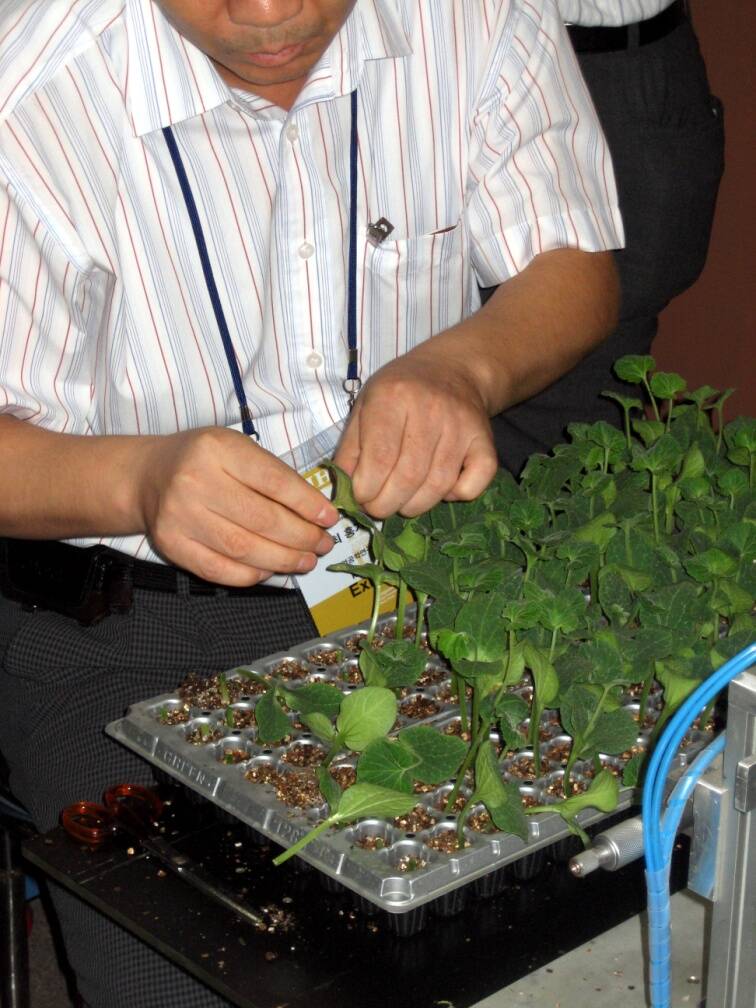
x,y
419,433
219,505
210,500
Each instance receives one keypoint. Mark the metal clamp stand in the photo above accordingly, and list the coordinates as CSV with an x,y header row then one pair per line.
x,y
721,814
14,949
723,855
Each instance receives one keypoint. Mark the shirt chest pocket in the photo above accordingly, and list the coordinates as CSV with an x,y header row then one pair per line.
x,y
412,289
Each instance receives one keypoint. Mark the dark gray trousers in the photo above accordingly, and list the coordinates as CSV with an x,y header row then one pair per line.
x,y
60,683
665,133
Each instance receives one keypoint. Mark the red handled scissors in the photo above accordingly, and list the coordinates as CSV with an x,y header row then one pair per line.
x,y
135,810
131,807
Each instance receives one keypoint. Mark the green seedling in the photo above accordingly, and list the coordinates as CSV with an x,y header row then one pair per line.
x,y
621,559
356,802
223,691
603,794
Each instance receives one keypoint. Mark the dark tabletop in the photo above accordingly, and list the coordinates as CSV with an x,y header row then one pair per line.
x,y
321,951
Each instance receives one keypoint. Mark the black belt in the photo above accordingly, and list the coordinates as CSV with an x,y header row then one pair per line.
x,y
89,583
598,39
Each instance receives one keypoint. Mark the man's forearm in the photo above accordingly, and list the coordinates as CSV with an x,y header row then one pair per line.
x,y
60,485
535,327
210,500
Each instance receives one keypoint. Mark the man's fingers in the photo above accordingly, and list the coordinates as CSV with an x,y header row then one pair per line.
x,y
479,468
206,563
216,503
255,549
390,445
348,450
248,510
373,446
218,550
419,434
262,472
411,472
437,486
456,472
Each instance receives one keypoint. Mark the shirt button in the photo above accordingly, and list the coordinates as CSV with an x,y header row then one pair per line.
x,y
292,133
306,250
314,360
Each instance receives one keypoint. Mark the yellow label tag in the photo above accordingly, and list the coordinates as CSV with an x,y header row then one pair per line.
x,y
330,614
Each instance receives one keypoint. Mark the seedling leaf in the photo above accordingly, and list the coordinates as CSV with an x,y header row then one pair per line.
x,y
431,576
319,725
411,542
710,564
632,770
319,696
398,663
511,710
600,531
603,794
544,674
666,384
329,788
362,800
502,799
634,368
701,395
613,732
439,755
272,723
626,402
388,763
356,802
343,497
479,620
366,714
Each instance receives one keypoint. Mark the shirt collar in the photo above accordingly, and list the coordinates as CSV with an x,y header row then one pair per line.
x,y
170,80
373,31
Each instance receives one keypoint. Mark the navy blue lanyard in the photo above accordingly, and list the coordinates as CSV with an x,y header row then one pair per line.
x,y
351,383
212,288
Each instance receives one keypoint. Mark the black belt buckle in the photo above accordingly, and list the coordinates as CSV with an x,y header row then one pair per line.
x,y
84,583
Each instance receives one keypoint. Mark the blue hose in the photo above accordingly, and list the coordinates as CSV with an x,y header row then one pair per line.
x,y
659,831
659,910
678,799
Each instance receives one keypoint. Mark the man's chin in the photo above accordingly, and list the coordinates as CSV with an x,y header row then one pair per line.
x,y
283,57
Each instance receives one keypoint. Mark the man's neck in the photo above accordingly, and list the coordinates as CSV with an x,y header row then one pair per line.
x,y
284,95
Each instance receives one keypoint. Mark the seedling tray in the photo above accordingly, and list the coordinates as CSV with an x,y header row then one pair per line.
x,y
387,864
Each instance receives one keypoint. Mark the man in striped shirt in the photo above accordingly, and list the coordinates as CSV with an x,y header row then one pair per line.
x,y
225,214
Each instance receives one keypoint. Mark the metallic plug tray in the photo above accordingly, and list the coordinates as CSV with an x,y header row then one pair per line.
x,y
402,873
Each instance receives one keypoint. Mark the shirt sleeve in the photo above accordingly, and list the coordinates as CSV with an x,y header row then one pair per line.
x,y
47,323
541,176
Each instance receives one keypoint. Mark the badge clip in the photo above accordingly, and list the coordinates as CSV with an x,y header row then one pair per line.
x,y
379,231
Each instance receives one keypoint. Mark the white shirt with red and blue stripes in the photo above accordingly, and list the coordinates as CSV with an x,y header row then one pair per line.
x,y
477,140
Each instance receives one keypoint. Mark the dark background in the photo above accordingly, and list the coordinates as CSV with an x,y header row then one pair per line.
x,y
708,334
